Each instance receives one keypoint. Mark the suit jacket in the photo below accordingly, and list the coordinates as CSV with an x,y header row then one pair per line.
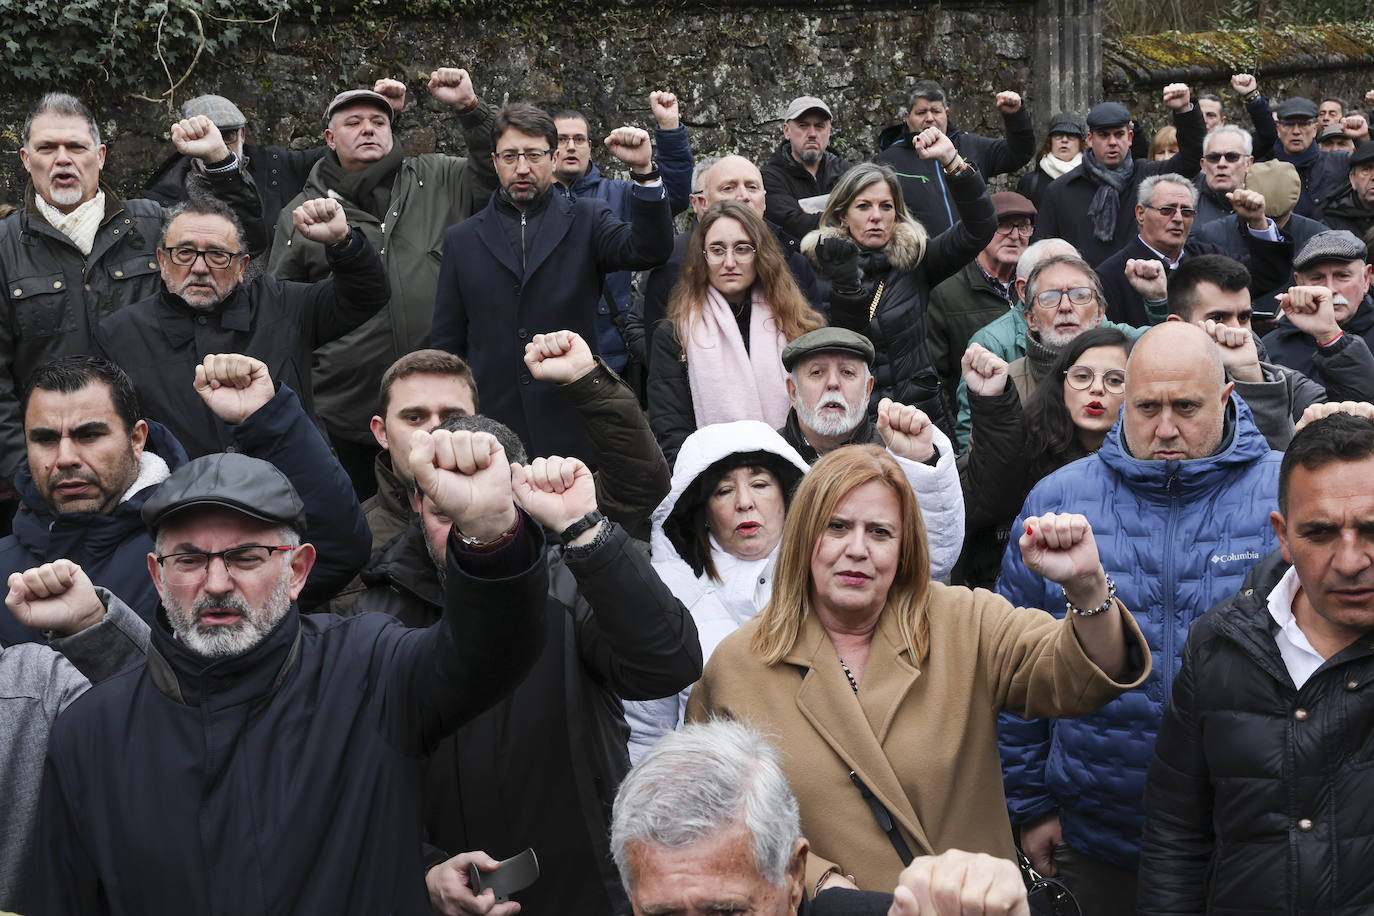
x,y
921,735
1124,304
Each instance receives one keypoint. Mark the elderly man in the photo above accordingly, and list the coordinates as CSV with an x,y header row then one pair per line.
x,y
706,823
205,306
536,261
93,462
1063,299
576,175
924,188
1333,138
1181,490
512,778
1353,207
1258,796
278,173
802,168
1336,261
829,379
1091,206
1227,154
299,723
402,204
76,252
979,293
1323,174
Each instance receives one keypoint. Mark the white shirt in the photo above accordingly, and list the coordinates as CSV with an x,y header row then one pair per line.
x,y
1299,657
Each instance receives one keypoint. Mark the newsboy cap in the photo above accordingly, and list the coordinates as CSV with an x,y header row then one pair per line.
x,y
1108,114
223,113
1363,153
365,96
1069,122
1009,204
827,339
1331,245
228,480
1296,107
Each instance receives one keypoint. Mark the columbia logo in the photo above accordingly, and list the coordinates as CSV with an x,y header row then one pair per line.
x,y
1232,557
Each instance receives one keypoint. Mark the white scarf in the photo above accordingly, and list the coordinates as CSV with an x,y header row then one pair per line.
x,y
80,225
1057,167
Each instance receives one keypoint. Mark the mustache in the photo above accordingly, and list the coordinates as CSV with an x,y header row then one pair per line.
x,y
221,602
64,476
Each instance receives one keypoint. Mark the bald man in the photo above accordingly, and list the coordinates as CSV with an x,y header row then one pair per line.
x,y
729,178
1179,497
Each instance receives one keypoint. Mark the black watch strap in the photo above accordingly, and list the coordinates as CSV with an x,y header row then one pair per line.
x,y
580,527
650,175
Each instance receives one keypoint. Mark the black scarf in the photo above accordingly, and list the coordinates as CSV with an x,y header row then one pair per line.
x,y
368,190
1106,203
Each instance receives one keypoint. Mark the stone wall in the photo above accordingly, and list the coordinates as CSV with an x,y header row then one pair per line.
x,y
734,65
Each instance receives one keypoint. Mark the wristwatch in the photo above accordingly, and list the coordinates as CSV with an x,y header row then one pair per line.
x,y
580,527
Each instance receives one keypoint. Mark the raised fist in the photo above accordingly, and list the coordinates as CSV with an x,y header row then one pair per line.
x,y
1177,96
1008,102
664,105
453,87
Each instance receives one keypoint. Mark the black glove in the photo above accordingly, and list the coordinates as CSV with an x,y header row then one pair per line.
x,y
837,259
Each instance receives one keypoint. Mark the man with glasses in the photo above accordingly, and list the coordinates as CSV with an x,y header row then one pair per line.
x,y
535,261
265,760
1181,490
576,175
1323,174
1226,158
1353,207
94,461
1063,299
979,293
206,306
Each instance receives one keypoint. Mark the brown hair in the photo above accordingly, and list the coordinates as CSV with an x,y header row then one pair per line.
x,y
426,362
527,119
829,482
793,312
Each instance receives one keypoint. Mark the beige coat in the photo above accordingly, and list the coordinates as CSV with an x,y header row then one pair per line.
x,y
922,737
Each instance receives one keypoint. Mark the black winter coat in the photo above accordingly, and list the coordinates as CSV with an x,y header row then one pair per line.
x,y
1258,797
1271,262
1211,206
1344,211
1293,348
159,342
786,181
540,768
1323,175
288,779
903,368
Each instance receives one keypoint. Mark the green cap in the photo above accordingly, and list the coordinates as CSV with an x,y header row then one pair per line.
x,y
823,339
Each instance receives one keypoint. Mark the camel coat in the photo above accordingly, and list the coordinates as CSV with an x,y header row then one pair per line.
x,y
922,737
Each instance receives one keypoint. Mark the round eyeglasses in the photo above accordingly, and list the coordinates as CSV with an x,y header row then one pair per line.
x,y
1080,378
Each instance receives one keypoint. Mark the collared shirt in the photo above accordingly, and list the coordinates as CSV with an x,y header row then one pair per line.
x,y
1299,657
1003,289
1172,263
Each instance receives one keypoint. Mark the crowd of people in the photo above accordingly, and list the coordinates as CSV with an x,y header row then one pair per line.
x,y
411,534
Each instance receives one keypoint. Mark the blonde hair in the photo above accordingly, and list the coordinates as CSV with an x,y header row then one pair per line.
x,y
829,482
859,179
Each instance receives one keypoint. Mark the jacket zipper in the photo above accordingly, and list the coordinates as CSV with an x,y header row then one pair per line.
x,y
1166,657
522,241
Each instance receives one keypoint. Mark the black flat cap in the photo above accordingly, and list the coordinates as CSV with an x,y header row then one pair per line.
x,y
1331,245
824,339
1297,107
1363,153
1108,114
1068,122
228,480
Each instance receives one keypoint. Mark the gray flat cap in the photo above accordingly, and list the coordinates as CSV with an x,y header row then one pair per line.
x,y
223,113
361,96
1295,108
228,480
1068,122
827,339
1332,245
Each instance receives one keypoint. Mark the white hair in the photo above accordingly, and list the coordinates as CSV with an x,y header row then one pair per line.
x,y
1246,141
1037,252
1145,197
700,781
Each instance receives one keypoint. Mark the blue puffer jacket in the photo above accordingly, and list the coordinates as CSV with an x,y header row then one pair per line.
x,y
1176,537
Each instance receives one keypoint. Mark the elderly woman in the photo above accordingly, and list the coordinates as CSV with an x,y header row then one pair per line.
x,y
882,266
883,688
1060,153
734,308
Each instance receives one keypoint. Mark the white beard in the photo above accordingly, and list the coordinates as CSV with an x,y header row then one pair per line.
x,y
830,425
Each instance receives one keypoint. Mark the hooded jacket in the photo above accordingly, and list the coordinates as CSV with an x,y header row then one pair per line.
x,y
1176,537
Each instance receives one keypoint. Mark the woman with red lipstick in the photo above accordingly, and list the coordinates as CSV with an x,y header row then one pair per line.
x,y
1012,448
734,308
882,266
881,688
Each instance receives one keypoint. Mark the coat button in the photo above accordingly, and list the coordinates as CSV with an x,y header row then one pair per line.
x,y
516,289
524,379
119,273
1300,715
200,319
523,334
17,292
1305,825
126,221
57,284
114,231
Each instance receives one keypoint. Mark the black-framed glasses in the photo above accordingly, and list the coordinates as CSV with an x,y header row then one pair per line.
x,y
572,140
1169,210
1232,156
532,156
189,567
1023,226
215,258
715,254
1291,123
1078,295
1080,378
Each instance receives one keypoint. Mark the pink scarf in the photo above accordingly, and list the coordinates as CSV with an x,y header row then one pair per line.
x,y
727,381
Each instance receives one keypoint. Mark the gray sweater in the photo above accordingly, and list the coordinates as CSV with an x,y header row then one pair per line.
x,y
36,683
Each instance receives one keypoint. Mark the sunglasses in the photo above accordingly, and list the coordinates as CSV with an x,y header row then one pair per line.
x,y
1214,158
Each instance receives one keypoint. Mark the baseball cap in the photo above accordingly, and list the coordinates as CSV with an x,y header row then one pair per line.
x,y
804,103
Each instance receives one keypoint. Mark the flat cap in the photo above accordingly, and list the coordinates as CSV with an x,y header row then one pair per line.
x,y
1108,114
1363,153
1278,183
228,480
1069,122
1331,245
1296,107
1009,203
827,339
804,103
223,113
1330,131
364,96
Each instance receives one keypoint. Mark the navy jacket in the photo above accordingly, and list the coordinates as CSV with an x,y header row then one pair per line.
x,y
494,297
1324,174
284,780
786,181
1271,263
112,549
1292,348
1176,537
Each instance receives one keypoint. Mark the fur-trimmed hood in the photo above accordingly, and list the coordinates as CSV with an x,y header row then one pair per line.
x,y
904,250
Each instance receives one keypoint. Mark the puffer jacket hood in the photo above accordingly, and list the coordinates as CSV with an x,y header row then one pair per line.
x,y
904,250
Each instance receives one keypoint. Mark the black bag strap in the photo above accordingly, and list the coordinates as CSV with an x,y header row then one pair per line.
x,y
884,819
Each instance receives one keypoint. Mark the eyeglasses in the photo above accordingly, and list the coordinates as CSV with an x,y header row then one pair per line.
x,y
1169,210
215,258
532,156
1080,378
715,254
1023,226
190,567
1078,295
572,140
1214,158
1291,123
